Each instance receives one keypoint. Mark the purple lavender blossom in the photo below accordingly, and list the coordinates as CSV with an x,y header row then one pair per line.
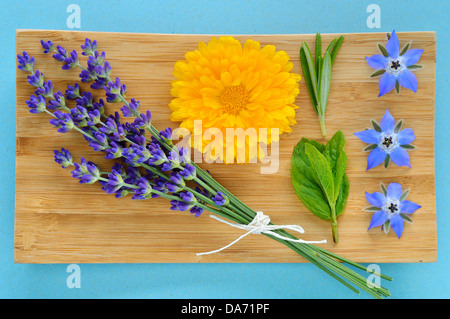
x,y
86,99
86,172
132,108
70,61
63,121
63,157
58,102
144,191
37,79
114,90
36,104
197,211
73,92
94,117
115,179
180,205
89,47
115,151
143,121
220,199
26,62
173,161
101,141
188,173
48,46
79,115
60,54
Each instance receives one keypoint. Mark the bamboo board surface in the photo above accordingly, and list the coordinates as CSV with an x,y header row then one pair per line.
x,y
58,220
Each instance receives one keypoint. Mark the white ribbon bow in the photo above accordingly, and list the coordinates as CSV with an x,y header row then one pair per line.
x,y
260,224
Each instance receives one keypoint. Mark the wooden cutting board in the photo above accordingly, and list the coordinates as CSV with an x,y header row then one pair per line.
x,y
58,220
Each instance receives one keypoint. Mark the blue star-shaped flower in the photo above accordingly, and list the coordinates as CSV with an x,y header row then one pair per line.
x,y
387,142
395,66
393,208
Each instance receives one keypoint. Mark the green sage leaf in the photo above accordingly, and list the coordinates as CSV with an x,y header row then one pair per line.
x,y
322,170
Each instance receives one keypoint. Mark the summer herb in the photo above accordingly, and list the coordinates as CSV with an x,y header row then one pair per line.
x,y
152,166
317,74
319,179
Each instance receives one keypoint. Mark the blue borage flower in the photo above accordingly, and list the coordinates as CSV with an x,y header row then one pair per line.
x,y
387,142
391,208
186,186
395,65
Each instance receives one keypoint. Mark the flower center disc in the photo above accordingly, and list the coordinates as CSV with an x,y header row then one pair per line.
x,y
234,98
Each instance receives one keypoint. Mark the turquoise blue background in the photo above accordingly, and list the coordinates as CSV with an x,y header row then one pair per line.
x,y
230,17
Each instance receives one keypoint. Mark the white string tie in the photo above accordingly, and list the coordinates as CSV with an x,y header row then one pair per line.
x,y
260,224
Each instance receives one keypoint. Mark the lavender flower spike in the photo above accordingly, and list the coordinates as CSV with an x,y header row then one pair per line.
x,y
26,62
63,157
387,142
395,66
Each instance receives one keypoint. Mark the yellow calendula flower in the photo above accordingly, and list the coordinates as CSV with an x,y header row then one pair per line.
x,y
229,86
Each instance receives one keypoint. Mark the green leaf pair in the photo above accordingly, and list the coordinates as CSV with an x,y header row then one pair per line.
x,y
319,179
317,74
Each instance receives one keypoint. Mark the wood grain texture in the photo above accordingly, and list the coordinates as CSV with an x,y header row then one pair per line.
x,y
58,220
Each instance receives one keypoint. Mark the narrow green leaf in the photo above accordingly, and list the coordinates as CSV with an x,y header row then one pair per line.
x,y
383,189
331,45
405,48
383,50
398,127
397,87
406,218
408,147
308,79
376,126
405,194
335,48
312,71
386,226
372,209
377,73
387,160
319,63
370,147
415,67
325,82
318,46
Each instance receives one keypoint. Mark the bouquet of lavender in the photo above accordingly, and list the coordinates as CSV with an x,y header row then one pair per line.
x,y
150,164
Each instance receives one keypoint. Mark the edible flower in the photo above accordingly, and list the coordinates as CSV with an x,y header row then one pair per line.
x,y
395,66
391,208
387,142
